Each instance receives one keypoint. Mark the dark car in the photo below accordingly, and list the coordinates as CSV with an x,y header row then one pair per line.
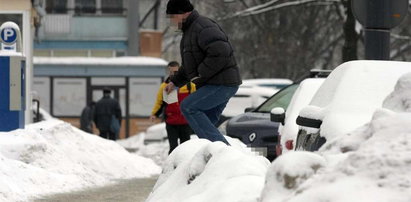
x,y
255,129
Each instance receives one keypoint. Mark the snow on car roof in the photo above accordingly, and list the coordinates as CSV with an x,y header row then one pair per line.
x,y
267,80
353,91
131,61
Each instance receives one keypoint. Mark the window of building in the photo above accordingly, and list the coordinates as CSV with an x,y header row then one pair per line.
x,y
85,7
112,6
56,6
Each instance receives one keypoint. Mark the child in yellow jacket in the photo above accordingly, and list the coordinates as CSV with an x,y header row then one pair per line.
x,y
176,125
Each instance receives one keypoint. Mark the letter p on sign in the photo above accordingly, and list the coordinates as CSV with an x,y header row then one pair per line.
x,y
8,35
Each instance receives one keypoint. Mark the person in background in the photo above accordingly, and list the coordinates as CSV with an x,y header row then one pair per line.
x,y
107,116
86,119
176,125
209,63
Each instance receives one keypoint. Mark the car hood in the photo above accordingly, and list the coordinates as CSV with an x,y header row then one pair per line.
x,y
252,119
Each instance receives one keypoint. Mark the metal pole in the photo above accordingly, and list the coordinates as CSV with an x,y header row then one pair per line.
x,y
377,44
377,39
133,28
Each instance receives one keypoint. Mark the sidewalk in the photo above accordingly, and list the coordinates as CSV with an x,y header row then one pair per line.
x,y
136,190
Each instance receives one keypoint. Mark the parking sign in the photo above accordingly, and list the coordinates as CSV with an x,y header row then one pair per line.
x,y
8,35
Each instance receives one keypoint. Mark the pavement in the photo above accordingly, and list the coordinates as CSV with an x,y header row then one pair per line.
x,y
134,190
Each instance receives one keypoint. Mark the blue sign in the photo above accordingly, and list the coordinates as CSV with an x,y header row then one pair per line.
x,y
8,35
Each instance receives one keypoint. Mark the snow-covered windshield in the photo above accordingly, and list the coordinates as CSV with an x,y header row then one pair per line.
x,y
281,99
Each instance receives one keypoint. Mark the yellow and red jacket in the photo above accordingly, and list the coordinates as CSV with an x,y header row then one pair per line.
x,y
172,112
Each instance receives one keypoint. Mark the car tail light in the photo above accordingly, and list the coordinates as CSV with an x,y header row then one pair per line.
x,y
278,150
289,144
278,147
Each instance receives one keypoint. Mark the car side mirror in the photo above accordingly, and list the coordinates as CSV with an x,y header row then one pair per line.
x,y
277,115
249,109
310,116
308,122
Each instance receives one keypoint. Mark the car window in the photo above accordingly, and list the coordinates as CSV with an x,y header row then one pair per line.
x,y
277,86
280,99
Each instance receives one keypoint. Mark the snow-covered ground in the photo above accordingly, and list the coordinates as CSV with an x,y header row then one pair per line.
x,y
369,164
54,157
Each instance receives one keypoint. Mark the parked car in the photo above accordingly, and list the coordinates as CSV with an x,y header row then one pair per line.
x,y
246,98
255,129
251,94
288,128
347,100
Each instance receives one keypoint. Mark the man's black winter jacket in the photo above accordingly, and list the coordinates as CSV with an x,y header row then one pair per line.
x,y
103,112
206,53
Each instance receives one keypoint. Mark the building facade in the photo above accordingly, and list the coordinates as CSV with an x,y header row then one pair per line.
x,y
82,46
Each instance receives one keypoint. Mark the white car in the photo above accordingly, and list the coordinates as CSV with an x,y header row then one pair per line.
x,y
247,98
288,128
347,100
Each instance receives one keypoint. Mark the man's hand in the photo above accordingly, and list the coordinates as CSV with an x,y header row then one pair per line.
x,y
152,118
170,87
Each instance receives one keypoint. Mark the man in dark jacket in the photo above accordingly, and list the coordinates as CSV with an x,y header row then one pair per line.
x,y
107,114
207,61
87,116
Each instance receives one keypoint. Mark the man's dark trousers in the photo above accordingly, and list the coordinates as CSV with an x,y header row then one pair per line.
x,y
175,132
108,135
202,110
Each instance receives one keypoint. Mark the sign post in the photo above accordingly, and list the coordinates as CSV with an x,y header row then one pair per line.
x,y
378,18
12,78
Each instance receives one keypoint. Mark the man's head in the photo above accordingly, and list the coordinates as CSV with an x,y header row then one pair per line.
x,y
173,67
178,11
106,91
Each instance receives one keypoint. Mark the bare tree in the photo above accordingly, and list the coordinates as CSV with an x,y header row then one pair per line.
x,y
286,38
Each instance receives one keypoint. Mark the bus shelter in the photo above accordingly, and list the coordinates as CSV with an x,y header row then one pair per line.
x,y
64,86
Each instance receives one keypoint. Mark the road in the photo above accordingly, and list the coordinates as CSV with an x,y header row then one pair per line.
x,y
135,190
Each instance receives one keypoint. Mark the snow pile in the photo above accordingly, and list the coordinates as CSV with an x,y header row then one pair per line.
x,y
157,151
400,99
134,142
199,170
283,177
378,171
52,156
370,164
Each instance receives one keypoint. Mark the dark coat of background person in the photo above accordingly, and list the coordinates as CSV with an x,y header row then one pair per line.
x,y
105,109
206,52
86,119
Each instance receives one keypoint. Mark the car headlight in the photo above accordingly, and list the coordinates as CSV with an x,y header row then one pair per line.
x,y
222,127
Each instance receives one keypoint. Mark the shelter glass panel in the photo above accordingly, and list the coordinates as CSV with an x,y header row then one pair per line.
x,y
69,96
143,92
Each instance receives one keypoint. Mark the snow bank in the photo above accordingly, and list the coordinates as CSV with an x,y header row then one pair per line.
x,y
283,177
400,99
52,156
199,170
377,171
